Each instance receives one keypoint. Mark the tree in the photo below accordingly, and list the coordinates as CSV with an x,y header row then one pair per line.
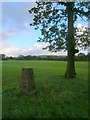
x,y
56,22
2,57
82,56
88,56
21,57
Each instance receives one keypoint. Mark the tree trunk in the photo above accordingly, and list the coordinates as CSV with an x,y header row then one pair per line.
x,y
27,83
70,71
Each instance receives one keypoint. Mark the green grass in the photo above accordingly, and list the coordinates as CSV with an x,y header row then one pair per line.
x,y
57,97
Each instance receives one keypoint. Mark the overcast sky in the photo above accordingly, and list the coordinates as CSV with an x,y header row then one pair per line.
x,y
18,38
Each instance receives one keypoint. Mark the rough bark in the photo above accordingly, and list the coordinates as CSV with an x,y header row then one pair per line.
x,y
70,71
27,83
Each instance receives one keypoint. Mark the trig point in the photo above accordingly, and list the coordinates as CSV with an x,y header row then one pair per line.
x,y
27,83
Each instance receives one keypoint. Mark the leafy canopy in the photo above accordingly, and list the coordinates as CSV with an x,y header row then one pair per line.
x,y
51,19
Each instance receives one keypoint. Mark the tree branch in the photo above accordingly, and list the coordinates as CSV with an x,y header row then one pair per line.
x,y
62,3
81,12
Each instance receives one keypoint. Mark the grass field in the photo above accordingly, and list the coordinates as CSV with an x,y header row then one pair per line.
x,y
57,97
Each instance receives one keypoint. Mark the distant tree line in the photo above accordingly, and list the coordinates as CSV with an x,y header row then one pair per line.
x,y
79,57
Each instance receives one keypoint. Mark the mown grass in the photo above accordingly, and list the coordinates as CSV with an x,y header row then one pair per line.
x,y
56,96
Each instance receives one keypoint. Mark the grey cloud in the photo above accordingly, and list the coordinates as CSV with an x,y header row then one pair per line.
x,y
5,34
16,13
15,17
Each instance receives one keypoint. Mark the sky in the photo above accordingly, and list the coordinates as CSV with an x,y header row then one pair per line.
x,y
16,36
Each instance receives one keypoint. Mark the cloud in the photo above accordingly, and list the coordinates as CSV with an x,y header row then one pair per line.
x,y
81,29
15,51
7,34
16,13
15,18
11,50
79,25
